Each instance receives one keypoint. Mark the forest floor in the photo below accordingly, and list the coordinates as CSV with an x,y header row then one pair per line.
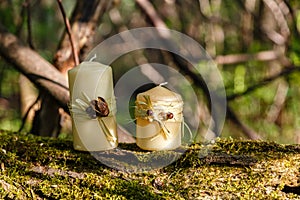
x,y
33,167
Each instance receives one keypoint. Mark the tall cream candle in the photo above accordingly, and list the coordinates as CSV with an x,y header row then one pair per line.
x,y
93,107
159,119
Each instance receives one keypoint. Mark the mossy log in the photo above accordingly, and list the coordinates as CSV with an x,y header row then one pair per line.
x,y
43,168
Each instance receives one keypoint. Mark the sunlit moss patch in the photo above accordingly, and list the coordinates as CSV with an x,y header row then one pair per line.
x,y
43,168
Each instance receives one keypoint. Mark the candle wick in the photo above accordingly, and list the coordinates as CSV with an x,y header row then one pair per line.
x,y
93,58
164,83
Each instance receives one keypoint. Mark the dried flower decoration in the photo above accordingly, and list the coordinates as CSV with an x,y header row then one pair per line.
x,y
94,109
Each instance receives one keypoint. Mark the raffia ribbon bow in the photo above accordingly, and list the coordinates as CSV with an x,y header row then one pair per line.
x,y
160,112
95,109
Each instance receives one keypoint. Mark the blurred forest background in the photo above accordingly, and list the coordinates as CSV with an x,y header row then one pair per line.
x,y
255,43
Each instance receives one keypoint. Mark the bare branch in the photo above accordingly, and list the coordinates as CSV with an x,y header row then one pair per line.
x,y
279,17
78,36
36,68
149,10
197,79
27,113
247,130
238,58
69,32
29,37
85,18
279,101
265,81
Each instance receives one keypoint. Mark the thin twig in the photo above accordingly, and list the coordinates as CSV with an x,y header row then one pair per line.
x,y
278,102
151,13
238,58
69,32
147,7
293,18
283,73
27,113
279,18
251,134
27,5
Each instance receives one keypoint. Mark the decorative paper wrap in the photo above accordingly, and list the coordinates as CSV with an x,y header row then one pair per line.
x,y
92,96
159,119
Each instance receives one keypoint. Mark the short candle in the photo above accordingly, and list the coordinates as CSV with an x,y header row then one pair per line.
x,y
92,107
159,119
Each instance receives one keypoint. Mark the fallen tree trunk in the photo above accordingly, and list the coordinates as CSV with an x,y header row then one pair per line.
x,y
43,168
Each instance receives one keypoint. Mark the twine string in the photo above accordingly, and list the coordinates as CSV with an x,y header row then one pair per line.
x,y
160,112
81,105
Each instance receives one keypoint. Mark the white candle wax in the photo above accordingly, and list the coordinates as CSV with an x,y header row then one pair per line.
x,y
159,119
87,82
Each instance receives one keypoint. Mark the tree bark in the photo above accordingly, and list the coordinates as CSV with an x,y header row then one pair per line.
x,y
84,20
33,66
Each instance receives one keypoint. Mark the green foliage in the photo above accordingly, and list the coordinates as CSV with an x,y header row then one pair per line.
x,y
224,27
9,90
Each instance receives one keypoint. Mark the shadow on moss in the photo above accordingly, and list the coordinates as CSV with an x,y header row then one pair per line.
x,y
34,168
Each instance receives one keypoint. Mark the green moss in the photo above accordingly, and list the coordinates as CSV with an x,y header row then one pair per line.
x,y
43,168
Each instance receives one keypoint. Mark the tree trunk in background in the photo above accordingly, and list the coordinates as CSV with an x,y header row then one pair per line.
x,y
84,20
28,98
